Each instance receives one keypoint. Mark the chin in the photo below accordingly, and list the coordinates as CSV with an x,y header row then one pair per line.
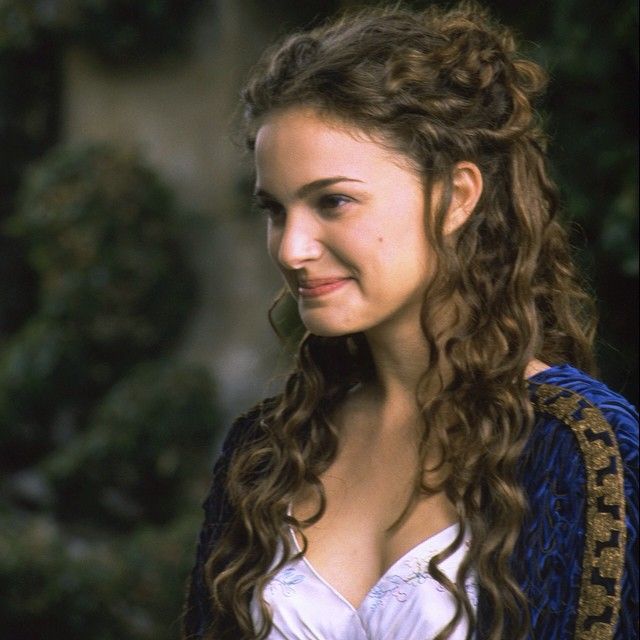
x,y
326,332
326,329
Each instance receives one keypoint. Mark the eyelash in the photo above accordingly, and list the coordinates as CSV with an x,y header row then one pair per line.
x,y
327,202
324,201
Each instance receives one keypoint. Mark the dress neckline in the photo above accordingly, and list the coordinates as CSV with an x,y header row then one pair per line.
x,y
434,544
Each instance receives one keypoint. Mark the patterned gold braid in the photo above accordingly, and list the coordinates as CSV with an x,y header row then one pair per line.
x,y
605,529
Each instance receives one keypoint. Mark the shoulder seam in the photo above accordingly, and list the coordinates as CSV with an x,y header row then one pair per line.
x,y
605,527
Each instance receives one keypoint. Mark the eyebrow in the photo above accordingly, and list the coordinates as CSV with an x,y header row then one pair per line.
x,y
308,188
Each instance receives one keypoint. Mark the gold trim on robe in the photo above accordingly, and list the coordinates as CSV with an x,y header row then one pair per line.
x,y
605,528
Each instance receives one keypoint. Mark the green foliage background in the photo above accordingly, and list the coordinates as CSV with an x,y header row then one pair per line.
x,y
104,438
102,434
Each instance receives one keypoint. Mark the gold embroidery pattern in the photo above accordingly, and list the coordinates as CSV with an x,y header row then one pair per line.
x,y
605,534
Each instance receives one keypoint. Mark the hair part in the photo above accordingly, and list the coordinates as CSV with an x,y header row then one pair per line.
x,y
441,87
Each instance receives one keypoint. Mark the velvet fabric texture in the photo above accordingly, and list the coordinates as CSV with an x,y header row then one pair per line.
x,y
547,561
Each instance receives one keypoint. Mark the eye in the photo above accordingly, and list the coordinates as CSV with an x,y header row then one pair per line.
x,y
332,202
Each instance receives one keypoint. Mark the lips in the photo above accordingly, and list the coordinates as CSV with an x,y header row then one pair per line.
x,y
314,287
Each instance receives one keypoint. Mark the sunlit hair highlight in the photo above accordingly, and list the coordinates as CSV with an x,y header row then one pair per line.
x,y
441,87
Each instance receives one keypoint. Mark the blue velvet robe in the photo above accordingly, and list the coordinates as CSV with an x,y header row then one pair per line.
x,y
576,558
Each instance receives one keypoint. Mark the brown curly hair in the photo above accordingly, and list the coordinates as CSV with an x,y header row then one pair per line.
x,y
439,86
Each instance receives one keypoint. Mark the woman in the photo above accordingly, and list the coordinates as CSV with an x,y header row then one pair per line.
x,y
438,464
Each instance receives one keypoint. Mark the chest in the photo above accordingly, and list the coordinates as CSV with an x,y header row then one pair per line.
x,y
405,603
367,489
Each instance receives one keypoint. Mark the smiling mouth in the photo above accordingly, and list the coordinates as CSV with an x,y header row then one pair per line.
x,y
320,286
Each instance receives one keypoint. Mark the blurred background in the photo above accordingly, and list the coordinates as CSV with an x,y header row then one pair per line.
x,y
134,282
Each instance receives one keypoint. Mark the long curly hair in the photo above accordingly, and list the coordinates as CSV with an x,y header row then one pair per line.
x,y
439,86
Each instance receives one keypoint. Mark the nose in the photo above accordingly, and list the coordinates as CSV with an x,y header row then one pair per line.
x,y
297,241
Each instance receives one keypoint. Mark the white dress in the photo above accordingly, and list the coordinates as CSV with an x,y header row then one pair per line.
x,y
407,603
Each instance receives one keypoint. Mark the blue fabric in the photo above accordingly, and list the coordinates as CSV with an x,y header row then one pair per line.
x,y
548,555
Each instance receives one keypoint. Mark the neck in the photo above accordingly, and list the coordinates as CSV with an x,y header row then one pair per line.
x,y
400,361
400,357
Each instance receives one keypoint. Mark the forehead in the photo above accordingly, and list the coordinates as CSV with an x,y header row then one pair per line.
x,y
300,145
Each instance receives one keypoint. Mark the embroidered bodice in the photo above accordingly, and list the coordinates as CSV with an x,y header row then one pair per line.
x,y
406,602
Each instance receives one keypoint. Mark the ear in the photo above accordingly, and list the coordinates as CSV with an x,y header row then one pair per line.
x,y
467,189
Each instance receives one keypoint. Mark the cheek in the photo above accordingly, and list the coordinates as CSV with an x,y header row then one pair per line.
x,y
403,259
363,245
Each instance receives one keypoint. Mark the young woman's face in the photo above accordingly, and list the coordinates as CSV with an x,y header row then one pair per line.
x,y
345,223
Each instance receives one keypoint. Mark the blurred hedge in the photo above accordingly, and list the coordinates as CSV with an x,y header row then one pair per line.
x,y
103,440
60,585
100,233
135,460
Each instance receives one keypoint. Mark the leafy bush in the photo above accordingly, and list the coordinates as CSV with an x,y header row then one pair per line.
x,y
101,435
102,235
135,461
74,587
42,371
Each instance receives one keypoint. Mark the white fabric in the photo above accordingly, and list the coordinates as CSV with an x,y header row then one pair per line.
x,y
407,603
